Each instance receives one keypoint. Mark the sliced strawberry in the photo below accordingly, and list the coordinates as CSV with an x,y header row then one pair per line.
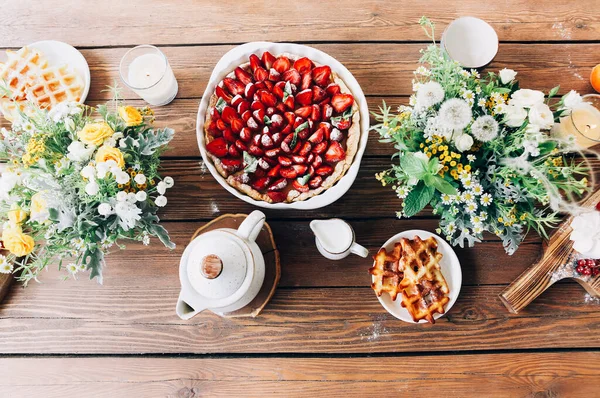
x,y
214,113
231,165
229,135
246,115
243,76
256,140
341,124
276,121
341,102
251,123
239,144
288,172
306,81
269,85
213,130
260,74
299,187
277,138
335,153
274,172
220,124
270,111
280,107
292,76
217,147
221,93
260,85
284,161
267,98
261,183
318,94
310,158
327,111
320,148
259,115
278,90
304,112
336,135
278,185
300,169
318,136
305,150
333,89
237,125
259,173
245,134
257,105
303,134
272,152
315,182
268,59
254,62
289,102
235,87
324,170
298,159
274,76
233,151
277,196
317,161
242,107
263,164
228,114
266,141
303,65
326,127
287,141
235,101
315,115
290,117
282,64
322,75
250,90
286,130
255,150
304,97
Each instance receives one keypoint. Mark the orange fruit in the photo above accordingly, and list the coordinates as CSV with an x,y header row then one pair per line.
x,y
595,78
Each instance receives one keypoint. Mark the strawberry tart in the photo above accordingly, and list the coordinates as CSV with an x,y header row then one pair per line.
x,y
282,128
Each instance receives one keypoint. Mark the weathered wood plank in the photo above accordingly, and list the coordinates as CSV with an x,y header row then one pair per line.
x,y
229,21
511,375
140,318
381,69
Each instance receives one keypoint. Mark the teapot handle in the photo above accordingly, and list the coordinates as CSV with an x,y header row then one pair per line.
x,y
252,225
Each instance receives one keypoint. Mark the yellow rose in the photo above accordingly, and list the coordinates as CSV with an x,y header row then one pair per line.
x,y
106,153
39,207
16,242
16,215
95,133
130,115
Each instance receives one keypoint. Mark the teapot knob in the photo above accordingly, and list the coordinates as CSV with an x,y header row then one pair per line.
x,y
211,266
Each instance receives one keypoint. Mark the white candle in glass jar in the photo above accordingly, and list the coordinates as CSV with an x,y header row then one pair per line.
x,y
146,70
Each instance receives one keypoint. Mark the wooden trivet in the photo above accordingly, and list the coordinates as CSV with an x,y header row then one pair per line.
x,y
549,270
272,267
5,282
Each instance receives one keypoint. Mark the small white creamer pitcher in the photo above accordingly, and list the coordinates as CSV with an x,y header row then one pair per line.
x,y
335,239
222,270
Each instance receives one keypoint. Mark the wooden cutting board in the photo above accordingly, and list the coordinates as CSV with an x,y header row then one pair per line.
x,y
557,262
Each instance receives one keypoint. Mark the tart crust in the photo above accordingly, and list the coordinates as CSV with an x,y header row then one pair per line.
x,y
352,141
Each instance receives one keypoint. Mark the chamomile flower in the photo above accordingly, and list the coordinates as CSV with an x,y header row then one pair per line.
x,y
423,71
455,113
478,90
5,266
465,231
483,215
28,127
477,229
500,108
77,243
450,228
476,220
468,183
471,157
464,73
467,197
72,268
447,199
471,207
486,199
399,214
468,95
81,267
402,192
477,189
482,102
438,230
412,101
475,74
485,128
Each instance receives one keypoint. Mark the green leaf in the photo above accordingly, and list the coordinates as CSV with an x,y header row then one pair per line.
x,y
301,127
546,147
251,162
413,166
267,121
295,137
417,199
553,92
428,179
501,90
220,104
94,260
152,139
161,233
443,186
304,179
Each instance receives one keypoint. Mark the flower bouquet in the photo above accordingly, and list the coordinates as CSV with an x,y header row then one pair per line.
x,y
75,185
479,150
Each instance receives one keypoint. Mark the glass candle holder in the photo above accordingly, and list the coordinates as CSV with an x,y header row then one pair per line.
x,y
583,122
146,70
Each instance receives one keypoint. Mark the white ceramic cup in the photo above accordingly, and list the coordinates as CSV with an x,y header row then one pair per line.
x,y
470,41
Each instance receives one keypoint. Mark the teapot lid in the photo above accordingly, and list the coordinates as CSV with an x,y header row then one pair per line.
x,y
217,266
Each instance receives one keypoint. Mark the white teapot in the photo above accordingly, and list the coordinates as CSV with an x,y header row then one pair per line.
x,y
222,270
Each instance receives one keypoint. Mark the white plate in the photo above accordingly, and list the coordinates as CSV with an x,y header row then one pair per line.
x,y
239,55
450,268
58,53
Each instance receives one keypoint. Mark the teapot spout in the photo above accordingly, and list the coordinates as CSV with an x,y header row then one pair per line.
x,y
186,311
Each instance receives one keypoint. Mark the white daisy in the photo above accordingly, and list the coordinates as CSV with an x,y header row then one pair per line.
x,y
475,74
412,101
500,108
450,228
476,220
398,214
72,268
483,215
478,90
468,95
402,192
423,71
455,113
471,207
485,128
447,199
486,199
464,73
477,189
467,197
429,94
5,266
468,183
482,102
478,229
471,158
81,267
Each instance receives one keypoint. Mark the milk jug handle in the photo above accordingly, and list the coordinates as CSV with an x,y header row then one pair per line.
x,y
359,250
250,228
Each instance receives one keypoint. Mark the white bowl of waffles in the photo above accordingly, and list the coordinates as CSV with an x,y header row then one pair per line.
x,y
44,73
416,276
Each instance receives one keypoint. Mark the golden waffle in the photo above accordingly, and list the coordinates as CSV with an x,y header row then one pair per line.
x,y
55,85
424,288
20,70
386,272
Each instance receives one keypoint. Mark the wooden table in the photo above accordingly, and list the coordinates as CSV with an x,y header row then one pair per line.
x,y
324,331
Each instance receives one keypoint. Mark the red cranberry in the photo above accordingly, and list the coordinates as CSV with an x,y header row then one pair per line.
x,y
590,263
587,271
598,206
596,272
581,263
579,269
